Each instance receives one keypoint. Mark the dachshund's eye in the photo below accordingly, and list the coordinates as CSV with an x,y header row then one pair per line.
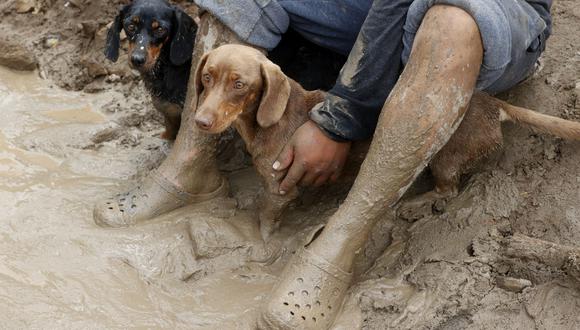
x,y
206,78
131,28
239,85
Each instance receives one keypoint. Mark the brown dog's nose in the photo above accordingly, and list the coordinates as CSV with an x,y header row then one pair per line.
x,y
204,123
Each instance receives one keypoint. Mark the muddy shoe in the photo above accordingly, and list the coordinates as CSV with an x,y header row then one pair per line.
x,y
308,296
155,196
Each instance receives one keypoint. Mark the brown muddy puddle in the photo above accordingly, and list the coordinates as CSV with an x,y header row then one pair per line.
x,y
58,269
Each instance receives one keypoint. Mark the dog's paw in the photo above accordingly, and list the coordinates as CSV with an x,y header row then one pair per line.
x,y
421,207
268,226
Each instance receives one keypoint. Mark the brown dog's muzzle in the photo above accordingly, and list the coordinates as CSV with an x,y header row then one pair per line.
x,y
205,122
216,112
206,113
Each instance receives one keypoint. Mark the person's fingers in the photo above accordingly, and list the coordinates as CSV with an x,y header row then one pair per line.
x,y
294,175
309,178
285,158
321,180
335,174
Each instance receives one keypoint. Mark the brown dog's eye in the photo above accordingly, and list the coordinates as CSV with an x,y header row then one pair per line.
x,y
206,78
239,85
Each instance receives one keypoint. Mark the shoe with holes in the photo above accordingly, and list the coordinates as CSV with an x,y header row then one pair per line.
x,y
155,196
308,296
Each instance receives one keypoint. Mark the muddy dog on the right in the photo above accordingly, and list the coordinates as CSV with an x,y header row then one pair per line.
x,y
478,136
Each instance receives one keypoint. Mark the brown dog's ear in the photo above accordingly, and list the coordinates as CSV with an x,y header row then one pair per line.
x,y
275,95
198,83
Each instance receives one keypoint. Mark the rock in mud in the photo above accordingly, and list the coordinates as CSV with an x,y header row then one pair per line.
x,y
95,87
89,28
94,68
107,134
24,6
16,56
513,284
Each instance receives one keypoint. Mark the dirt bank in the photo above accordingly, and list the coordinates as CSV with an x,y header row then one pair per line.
x,y
464,265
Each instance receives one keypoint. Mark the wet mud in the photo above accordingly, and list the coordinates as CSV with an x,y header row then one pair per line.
x,y
204,266
59,269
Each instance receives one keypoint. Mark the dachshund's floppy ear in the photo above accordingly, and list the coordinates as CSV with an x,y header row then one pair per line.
x,y
274,96
113,36
183,38
198,85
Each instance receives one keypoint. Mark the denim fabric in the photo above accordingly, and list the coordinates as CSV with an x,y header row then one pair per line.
x,y
332,24
258,22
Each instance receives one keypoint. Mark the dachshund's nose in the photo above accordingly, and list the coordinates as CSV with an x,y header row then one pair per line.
x,y
138,59
204,123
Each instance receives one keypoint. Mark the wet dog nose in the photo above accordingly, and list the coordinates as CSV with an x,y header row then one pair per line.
x,y
138,59
204,123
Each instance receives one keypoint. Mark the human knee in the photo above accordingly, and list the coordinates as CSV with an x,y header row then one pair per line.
x,y
451,19
448,27
449,42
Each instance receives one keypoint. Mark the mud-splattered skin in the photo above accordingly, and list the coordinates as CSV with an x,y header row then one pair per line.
x,y
160,46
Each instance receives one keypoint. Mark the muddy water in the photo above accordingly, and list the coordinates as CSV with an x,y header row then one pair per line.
x,y
59,270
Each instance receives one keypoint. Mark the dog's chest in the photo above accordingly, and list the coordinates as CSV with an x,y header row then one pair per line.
x,y
267,145
269,142
168,83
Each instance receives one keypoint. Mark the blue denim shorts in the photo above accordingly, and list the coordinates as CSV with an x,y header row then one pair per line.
x,y
513,32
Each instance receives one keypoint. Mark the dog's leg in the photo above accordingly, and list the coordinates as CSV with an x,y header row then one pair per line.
x,y
271,207
478,136
172,115
172,123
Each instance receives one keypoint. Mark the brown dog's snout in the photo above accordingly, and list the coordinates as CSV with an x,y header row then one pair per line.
x,y
204,122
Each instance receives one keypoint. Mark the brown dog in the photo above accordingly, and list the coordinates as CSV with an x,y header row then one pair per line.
x,y
237,85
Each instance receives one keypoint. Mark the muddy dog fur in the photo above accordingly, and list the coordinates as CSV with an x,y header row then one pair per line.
x,y
238,86
479,136
161,40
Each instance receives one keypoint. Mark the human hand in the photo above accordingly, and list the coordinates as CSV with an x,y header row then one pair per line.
x,y
310,158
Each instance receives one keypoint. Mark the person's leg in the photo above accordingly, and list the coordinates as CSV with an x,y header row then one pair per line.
x,y
421,114
480,135
189,173
419,117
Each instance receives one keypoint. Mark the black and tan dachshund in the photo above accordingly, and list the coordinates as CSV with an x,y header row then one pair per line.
x,y
161,39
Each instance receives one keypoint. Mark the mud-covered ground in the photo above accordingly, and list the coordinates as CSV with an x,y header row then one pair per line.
x,y
454,267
